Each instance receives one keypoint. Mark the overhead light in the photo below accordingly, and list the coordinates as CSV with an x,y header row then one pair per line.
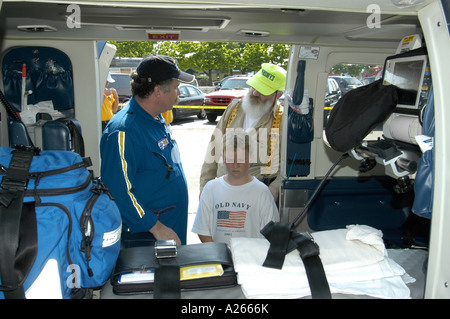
x,y
253,34
163,23
36,28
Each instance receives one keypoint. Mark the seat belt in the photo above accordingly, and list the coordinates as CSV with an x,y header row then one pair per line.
x,y
309,252
278,235
167,275
284,240
17,222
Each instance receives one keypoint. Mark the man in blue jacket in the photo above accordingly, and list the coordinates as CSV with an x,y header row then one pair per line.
x,y
140,160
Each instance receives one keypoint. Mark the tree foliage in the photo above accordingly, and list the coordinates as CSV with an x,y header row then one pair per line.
x,y
133,49
205,57
355,70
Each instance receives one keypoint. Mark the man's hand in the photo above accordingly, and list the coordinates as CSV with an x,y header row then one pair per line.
x,y
162,232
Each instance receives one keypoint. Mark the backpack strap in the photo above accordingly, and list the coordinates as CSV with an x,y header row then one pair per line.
x,y
16,120
15,261
87,223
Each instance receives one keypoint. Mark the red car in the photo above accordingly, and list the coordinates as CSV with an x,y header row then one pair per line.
x,y
234,87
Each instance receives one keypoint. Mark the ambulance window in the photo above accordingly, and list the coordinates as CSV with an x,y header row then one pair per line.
x,y
344,77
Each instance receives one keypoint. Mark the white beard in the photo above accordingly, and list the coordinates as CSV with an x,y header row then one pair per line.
x,y
254,108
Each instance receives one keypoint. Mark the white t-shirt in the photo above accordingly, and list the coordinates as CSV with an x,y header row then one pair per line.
x,y
227,211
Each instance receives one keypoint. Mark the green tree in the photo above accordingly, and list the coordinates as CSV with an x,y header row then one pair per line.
x,y
211,56
133,49
205,57
254,54
201,56
279,54
354,70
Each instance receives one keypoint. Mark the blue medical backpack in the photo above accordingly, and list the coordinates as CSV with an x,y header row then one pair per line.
x,y
53,209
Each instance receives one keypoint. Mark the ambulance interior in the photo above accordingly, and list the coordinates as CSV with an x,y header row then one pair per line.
x,y
375,184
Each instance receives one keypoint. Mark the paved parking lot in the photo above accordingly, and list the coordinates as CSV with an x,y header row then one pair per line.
x,y
192,136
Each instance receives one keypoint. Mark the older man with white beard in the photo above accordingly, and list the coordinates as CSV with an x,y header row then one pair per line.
x,y
258,113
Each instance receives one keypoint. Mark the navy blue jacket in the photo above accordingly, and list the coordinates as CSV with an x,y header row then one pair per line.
x,y
141,166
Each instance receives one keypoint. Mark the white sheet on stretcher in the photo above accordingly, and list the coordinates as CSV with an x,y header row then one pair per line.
x,y
355,261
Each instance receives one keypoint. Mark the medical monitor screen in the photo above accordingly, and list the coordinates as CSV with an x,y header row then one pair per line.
x,y
407,74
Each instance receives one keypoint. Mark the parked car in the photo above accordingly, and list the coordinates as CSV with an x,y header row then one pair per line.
x,y
122,86
218,84
347,83
334,93
232,88
368,80
332,96
189,96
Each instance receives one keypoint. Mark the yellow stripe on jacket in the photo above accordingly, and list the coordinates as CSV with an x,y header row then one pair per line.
x,y
136,205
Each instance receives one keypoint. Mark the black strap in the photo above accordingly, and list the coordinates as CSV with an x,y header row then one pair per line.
x,y
18,267
9,109
283,240
75,136
87,229
167,274
86,222
287,237
299,83
309,252
15,261
13,115
16,179
167,279
278,235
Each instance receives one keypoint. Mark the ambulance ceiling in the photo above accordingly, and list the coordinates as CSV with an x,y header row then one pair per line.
x,y
111,20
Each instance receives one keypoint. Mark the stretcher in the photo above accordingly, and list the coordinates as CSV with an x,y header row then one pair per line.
x,y
413,261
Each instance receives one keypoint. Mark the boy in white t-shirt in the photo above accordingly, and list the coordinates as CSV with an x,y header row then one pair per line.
x,y
236,204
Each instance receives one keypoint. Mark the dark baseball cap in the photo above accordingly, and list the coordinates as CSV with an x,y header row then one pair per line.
x,y
158,68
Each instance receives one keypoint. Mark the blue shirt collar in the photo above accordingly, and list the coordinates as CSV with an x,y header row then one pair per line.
x,y
135,107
